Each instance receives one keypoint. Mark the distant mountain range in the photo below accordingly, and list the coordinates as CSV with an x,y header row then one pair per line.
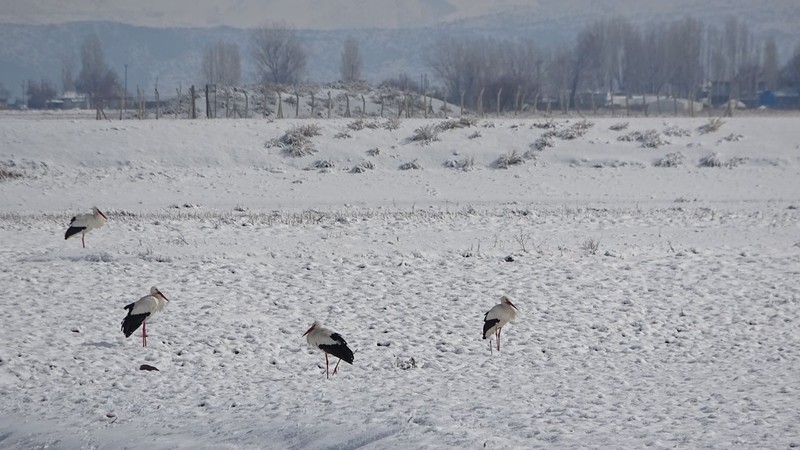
x,y
172,56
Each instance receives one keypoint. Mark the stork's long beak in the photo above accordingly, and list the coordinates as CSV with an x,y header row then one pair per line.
x,y
163,296
309,330
512,305
101,213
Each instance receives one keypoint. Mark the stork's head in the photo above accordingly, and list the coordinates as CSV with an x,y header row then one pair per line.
x,y
505,300
316,324
156,293
97,211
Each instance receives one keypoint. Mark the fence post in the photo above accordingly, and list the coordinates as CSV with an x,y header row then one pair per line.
x,y
193,103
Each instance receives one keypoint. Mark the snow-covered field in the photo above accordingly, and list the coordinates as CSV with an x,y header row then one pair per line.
x,y
659,306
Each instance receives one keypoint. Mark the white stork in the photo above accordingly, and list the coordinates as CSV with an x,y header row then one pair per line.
x,y
329,342
497,318
84,223
142,309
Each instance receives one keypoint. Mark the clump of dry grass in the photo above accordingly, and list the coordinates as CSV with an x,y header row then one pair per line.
x,y
619,126
296,141
508,160
8,175
670,160
714,124
412,165
425,134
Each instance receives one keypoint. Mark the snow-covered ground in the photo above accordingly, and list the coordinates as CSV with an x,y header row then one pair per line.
x,y
659,306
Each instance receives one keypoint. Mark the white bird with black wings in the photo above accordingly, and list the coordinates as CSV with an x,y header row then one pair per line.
x,y
141,310
330,342
497,318
84,223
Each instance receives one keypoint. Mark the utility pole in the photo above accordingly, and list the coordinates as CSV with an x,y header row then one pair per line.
x,y
125,94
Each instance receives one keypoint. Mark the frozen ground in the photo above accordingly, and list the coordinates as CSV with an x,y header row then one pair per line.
x,y
659,305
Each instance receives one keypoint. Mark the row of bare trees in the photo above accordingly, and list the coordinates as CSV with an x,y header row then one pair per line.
x,y
613,55
278,55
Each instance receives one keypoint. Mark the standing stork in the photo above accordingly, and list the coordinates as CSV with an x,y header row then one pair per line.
x,y
497,318
142,309
330,342
84,223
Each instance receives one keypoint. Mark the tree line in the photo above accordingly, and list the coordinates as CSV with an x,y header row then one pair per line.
x,y
682,58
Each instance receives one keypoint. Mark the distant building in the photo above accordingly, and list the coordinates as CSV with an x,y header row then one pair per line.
x,y
780,99
70,100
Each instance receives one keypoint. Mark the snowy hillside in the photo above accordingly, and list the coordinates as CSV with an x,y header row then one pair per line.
x,y
653,261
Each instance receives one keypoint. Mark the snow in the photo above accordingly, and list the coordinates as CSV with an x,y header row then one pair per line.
x,y
658,306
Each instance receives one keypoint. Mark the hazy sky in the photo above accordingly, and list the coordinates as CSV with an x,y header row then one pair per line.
x,y
322,14
337,14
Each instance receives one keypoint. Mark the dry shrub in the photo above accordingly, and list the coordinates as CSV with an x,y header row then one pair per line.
x,y
296,141
714,124
670,160
413,165
425,134
508,160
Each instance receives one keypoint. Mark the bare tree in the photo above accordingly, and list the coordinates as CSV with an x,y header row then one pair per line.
x,y
771,65
684,54
585,59
278,53
39,93
351,61
95,78
67,73
222,64
790,73
467,67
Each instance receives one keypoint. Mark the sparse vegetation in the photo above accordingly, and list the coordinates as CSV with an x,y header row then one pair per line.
x,y
466,164
591,246
392,124
297,141
544,141
711,160
342,135
619,126
374,151
425,134
732,138
546,125
7,175
736,161
508,160
714,124
362,167
463,122
676,131
648,138
322,164
413,165
670,160
357,124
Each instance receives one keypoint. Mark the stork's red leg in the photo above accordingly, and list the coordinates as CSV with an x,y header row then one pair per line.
x,y
144,334
326,366
82,241
337,366
498,338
